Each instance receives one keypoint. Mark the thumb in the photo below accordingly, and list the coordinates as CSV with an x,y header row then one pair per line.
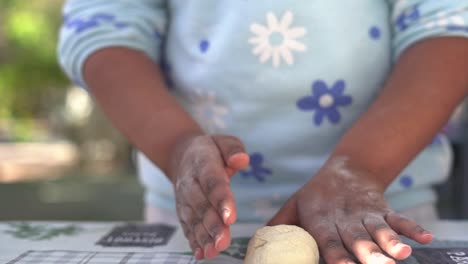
x,y
287,215
232,151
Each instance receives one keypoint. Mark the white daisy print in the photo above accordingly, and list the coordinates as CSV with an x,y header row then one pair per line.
x,y
277,39
444,20
208,112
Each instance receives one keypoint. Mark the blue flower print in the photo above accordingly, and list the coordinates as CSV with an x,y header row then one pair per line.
x,y
158,35
375,33
406,181
120,25
409,16
325,101
166,69
78,83
204,45
457,28
436,141
257,170
81,25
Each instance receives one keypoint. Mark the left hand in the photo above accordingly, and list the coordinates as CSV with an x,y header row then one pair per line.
x,y
346,212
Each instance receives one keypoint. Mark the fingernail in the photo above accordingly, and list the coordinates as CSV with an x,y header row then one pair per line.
x,y
209,248
400,245
226,214
402,250
426,234
218,240
198,254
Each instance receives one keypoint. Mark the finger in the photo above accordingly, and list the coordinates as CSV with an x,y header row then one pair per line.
x,y
408,227
215,185
204,239
186,216
360,243
329,242
218,231
287,215
196,248
232,150
386,238
210,218
194,218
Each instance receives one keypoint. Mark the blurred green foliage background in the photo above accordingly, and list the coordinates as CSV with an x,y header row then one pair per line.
x,y
30,78
41,115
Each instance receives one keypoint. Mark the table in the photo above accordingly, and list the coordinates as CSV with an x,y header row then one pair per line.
x,y
105,243
113,242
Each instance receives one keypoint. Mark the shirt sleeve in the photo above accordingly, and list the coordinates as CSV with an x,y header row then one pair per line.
x,y
414,20
92,25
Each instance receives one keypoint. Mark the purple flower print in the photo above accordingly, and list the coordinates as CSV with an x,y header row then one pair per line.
x,y
166,69
437,140
78,83
325,101
375,32
257,171
409,16
158,35
81,25
457,28
406,181
204,45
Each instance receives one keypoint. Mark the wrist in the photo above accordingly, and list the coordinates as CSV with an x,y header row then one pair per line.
x,y
181,143
344,169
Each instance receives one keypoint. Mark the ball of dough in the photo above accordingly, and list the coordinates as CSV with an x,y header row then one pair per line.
x,y
282,244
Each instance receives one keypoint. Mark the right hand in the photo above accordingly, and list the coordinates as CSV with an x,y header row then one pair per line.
x,y
201,167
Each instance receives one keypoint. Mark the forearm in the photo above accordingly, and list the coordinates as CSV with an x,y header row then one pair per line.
x,y
130,89
427,83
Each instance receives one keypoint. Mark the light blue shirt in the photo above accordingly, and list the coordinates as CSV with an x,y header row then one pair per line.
x,y
286,77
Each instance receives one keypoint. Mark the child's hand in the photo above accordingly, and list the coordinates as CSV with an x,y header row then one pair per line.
x,y
201,168
345,211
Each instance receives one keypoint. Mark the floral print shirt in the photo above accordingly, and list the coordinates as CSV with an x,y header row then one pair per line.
x,y
286,77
